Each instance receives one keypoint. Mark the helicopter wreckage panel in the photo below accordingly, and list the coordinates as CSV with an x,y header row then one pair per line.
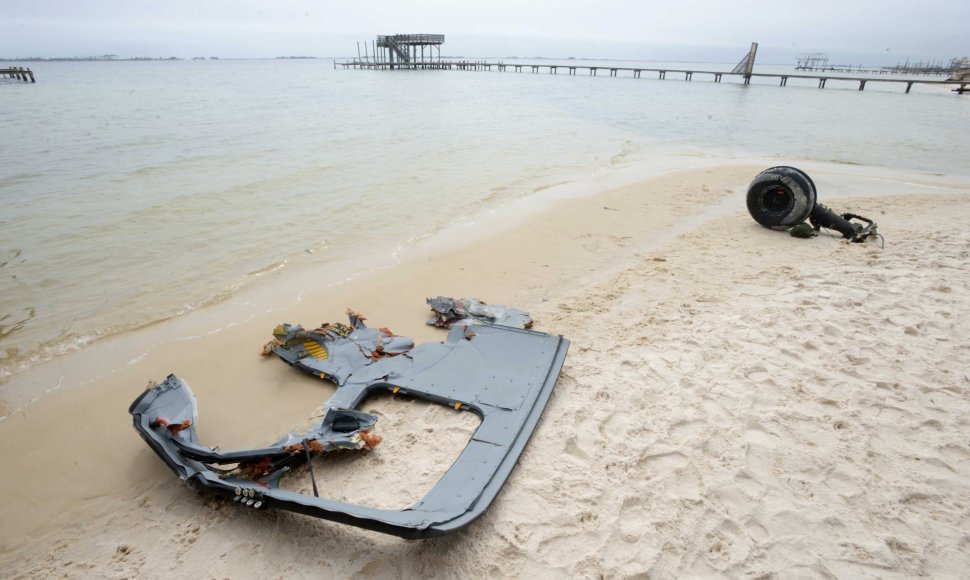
x,y
502,373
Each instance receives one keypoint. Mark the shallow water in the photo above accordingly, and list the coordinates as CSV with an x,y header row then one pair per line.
x,y
132,192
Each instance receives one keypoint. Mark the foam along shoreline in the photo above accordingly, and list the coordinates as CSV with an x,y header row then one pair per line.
x,y
696,371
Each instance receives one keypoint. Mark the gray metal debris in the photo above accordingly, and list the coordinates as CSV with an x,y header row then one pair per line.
x,y
502,374
448,311
335,351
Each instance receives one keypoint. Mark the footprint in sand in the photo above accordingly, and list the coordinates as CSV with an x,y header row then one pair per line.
x,y
725,545
687,430
573,448
617,426
662,465
127,558
757,434
567,548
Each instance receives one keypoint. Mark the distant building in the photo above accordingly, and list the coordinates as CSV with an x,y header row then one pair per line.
x,y
814,61
960,63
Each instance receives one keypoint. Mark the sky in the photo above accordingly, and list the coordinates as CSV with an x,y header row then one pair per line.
x,y
849,31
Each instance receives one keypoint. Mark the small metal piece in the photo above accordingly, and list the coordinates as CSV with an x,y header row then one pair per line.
x,y
238,491
249,502
309,466
258,505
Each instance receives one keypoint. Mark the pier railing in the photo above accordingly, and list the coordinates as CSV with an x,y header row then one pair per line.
x,y
19,73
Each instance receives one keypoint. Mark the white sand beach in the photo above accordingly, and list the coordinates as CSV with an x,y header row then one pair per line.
x,y
735,403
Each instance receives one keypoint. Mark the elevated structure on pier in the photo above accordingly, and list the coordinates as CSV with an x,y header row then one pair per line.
x,y
409,49
813,61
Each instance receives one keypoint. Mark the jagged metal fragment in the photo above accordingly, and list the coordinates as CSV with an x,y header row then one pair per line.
x,y
335,351
449,311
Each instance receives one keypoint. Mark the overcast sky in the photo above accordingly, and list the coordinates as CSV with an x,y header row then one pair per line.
x,y
850,31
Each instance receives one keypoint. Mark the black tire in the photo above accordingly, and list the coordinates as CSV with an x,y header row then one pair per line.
x,y
781,197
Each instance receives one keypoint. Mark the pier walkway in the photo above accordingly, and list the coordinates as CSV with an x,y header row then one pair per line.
x,y
18,73
636,72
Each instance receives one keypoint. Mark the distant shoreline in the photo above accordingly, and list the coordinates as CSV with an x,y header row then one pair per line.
x,y
111,58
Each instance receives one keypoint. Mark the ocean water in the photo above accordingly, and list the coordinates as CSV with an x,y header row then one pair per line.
x,y
133,192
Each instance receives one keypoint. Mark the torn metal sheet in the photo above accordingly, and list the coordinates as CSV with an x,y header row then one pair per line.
x,y
502,374
448,311
335,351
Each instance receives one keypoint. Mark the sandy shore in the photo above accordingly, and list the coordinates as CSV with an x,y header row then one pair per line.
x,y
736,402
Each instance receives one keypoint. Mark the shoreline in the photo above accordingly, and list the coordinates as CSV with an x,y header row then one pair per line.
x,y
261,296
18,390
583,267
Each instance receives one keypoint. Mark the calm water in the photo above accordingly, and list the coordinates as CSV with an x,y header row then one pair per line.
x,y
131,192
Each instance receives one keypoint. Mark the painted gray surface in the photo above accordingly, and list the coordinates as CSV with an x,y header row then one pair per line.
x,y
505,375
448,311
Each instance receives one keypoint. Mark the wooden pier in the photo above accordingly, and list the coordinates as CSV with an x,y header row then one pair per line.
x,y
18,73
637,72
400,52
